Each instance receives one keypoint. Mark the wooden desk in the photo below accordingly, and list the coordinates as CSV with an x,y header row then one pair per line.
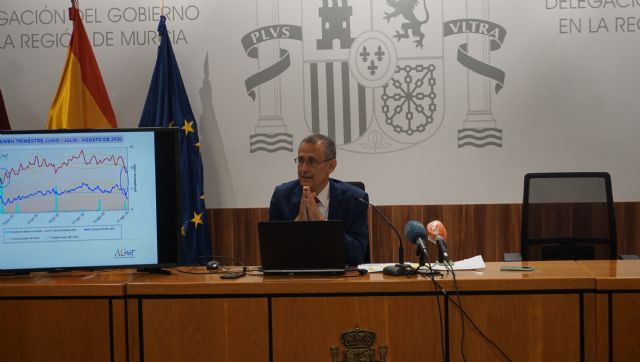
x,y
187,317
542,315
546,314
617,308
69,316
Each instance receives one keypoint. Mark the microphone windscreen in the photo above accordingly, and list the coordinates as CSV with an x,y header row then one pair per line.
x,y
436,228
414,230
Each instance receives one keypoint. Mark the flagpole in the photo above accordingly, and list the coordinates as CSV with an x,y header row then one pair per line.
x,y
4,117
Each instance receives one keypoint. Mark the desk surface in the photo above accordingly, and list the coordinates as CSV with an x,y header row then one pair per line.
x,y
548,275
614,274
68,284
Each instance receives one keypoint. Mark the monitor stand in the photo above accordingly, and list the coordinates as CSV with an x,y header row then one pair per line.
x,y
155,270
14,273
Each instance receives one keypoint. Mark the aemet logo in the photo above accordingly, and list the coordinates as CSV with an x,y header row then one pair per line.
x,y
125,253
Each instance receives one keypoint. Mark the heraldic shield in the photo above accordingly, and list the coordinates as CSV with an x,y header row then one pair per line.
x,y
373,72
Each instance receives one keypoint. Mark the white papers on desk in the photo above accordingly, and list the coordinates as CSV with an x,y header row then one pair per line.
x,y
467,264
374,267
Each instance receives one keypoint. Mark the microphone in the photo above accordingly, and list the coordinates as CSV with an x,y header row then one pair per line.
x,y
443,256
437,234
400,268
416,234
435,228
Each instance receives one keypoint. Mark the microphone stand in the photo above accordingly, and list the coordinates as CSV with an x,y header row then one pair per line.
x,y
400,268
421,257
424,268
443,255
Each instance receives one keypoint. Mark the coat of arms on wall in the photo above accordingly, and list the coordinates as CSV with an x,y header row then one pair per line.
x,y
373,73
357,343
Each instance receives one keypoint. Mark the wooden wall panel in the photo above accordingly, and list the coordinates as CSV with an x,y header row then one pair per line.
x,y
235,233
486,229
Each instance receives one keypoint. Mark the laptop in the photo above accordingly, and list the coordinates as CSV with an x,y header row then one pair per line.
x,y
302,247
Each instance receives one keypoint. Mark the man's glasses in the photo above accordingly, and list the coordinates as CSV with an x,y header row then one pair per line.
x,y
311,162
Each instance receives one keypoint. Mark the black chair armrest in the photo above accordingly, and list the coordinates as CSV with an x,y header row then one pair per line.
x,y
512,257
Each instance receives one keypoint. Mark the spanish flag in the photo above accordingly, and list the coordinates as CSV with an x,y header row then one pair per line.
x,y
82,100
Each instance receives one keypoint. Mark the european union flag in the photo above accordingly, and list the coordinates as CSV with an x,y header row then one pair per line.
x,y
167,105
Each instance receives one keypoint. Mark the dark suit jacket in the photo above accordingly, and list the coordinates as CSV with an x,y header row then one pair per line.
x,y
285,204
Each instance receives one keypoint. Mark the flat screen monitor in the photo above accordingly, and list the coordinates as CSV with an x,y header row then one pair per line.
x,y
78,199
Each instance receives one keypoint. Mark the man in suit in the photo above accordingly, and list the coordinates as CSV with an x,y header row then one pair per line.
x,y
315,196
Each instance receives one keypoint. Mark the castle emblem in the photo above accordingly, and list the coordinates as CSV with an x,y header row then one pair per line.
x,y
369,93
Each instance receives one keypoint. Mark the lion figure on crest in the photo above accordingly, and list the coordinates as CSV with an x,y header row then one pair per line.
x,y
406,8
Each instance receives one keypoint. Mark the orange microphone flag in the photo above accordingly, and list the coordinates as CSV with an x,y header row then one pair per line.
x,y
82,100
436,228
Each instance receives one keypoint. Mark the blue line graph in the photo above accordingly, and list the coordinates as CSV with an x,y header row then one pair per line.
x,y
64,179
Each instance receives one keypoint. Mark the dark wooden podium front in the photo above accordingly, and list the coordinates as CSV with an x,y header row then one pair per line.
x,y
67,316
547,314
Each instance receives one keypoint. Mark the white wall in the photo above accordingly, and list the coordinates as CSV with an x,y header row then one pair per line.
x,y
569,101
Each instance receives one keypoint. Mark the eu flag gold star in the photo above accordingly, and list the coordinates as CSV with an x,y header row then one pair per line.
x,y
187,127
197,219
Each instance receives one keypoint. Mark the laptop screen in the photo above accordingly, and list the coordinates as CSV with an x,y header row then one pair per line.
x,y
302,246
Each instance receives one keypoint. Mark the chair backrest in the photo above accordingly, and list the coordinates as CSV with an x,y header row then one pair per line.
x,y
568,216
358,184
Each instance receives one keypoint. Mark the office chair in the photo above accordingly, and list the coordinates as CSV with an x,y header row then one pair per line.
x,y
568,216
360,185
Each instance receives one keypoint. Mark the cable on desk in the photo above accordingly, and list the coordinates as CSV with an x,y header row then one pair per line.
x,y
213,257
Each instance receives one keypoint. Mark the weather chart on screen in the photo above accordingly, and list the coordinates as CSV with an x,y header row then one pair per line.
x,y
77,199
